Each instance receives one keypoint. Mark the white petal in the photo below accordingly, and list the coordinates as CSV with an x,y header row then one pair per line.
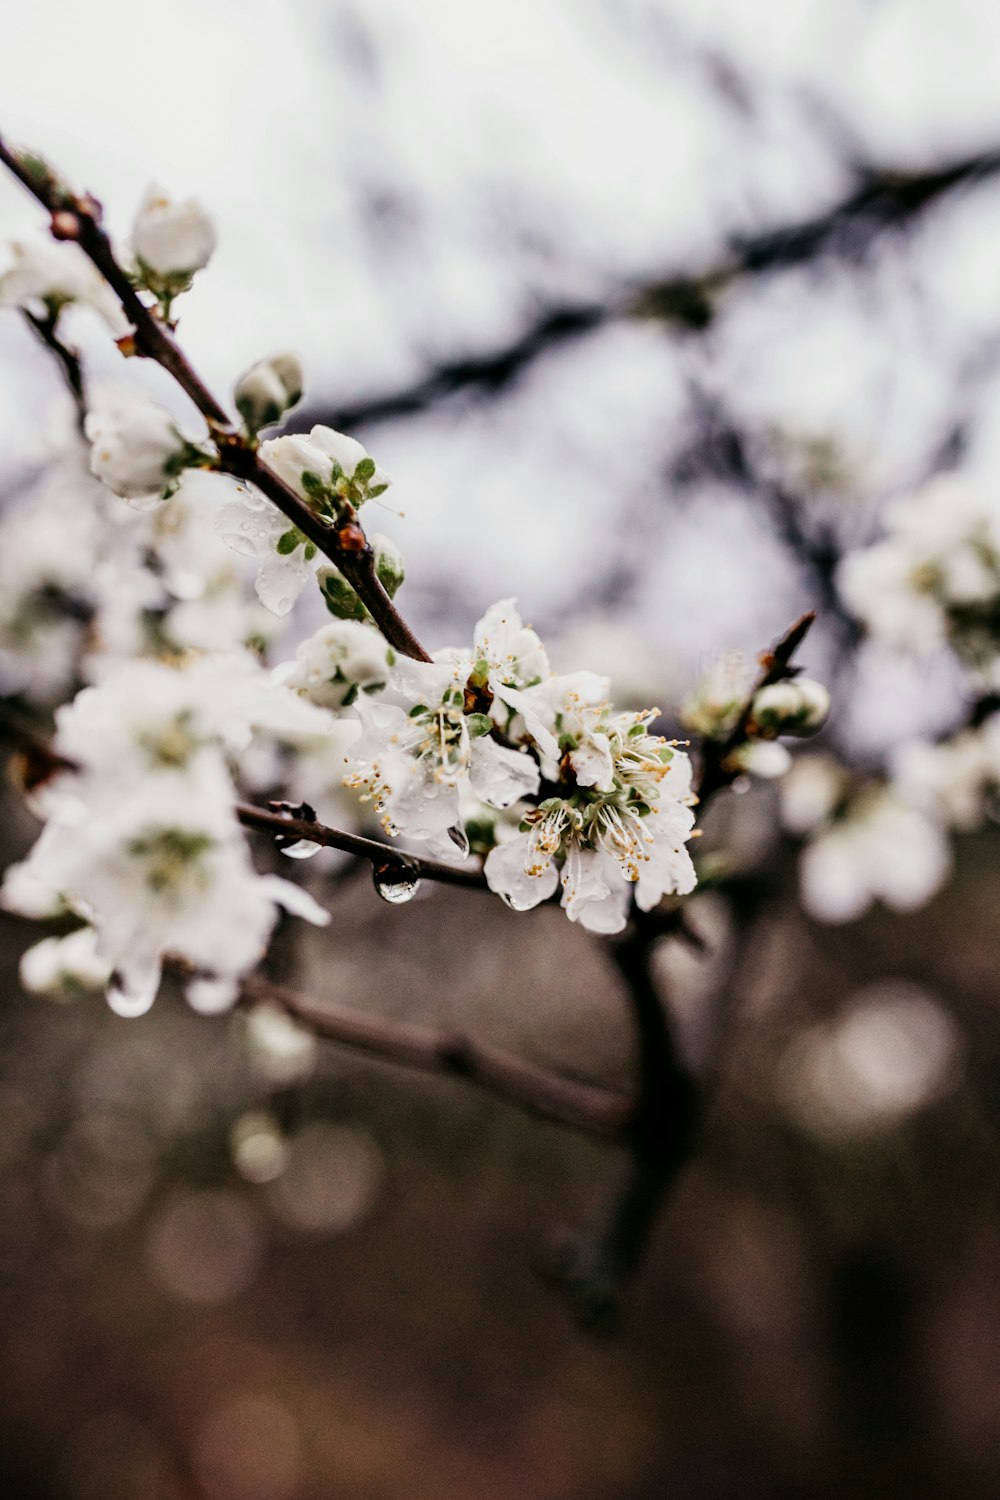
x,y
295,900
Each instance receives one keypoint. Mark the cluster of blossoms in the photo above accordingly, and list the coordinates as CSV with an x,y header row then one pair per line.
x,y
866,843
934,578
931,583
560,792
590,800
795,706
141,838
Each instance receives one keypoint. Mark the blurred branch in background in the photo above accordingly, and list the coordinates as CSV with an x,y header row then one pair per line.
x,y
883,200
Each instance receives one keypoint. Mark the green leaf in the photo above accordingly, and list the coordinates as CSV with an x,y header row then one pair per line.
x,y
340,598
479,724
376,490
364,470
287,542
312,484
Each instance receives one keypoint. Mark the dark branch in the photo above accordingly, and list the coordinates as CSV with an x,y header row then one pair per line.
x,y
881,200
381,856
597,1267
582,1105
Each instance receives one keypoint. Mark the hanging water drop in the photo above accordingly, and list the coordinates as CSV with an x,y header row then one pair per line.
x,y
295,848
514,904
460,839
397,881
301,849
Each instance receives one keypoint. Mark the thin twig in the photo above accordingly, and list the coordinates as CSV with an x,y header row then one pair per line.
x,y
78,218
583,1105
68,359
381,856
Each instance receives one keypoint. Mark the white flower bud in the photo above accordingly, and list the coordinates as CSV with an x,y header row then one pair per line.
x,y
171,241
323,460
713,707
64,967
388,563
136,449
332,665
269,389
762,758
797,706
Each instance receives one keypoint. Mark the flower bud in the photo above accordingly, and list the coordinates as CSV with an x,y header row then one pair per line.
x,y
269,389
715,704
171,241
341,659
325,466
798,706
388,563
136,449
338,596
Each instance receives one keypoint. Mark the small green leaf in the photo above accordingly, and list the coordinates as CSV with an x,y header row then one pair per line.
x,y
364,470
287,542
376,490
310,551
340,598
312,484
479,724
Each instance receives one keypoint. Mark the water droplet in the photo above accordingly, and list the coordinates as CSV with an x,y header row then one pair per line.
x,y
460,839
396,882
301,849
514,903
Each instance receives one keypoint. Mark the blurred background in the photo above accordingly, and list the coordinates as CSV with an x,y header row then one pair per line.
x,y
649,307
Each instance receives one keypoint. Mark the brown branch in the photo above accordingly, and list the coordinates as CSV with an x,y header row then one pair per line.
x,y
78,217
882,199
596,1267
381,856
550,1095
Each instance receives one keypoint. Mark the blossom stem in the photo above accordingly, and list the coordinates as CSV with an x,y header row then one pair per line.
x,y
354,843
717,770
583,1105
78,218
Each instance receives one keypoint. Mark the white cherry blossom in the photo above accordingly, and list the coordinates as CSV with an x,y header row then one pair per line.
x,y
171,241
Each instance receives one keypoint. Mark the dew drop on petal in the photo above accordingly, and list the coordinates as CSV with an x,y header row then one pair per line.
x,y
514,903
397,882
460,839
301,849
